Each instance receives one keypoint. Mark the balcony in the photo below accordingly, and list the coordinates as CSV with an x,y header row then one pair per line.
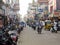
x,y
16,7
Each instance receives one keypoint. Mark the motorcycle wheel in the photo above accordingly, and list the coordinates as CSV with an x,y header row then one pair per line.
x,y
55,31
39,32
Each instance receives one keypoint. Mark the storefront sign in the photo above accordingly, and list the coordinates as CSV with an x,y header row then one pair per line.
x,y
56,14
40,10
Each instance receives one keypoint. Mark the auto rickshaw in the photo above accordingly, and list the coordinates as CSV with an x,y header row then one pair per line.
x,y
48,25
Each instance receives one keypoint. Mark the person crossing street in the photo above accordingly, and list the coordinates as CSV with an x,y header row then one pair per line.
x,y
40,26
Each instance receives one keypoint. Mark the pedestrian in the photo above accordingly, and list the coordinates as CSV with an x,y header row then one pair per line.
x,y
39,29
43,24
58,25
54,27
34,26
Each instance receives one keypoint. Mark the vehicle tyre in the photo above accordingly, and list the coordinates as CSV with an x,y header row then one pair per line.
x,y
55,31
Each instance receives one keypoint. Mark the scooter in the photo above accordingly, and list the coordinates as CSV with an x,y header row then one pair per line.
x,y
54,30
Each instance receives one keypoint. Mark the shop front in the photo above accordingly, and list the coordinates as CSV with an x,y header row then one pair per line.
x,y
56,15
57,18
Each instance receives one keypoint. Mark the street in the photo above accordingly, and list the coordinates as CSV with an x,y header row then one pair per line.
x,y
16,14
30,37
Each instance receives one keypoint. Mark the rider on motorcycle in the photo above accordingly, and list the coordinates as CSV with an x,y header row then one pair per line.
x,y
40,26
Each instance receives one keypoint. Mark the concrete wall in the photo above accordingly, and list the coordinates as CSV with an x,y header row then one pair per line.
x,y
55,4
58,4
50,4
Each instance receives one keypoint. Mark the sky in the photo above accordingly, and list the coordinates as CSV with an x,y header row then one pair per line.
x,y
24,6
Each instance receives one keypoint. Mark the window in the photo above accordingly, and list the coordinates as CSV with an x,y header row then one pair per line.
x,y
46,8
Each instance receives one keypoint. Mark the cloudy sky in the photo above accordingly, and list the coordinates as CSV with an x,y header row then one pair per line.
x,y
24,6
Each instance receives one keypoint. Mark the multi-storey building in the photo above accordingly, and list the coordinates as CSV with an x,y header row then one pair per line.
x,y
43,8
32,9
16,5
1,10
54,8
11,6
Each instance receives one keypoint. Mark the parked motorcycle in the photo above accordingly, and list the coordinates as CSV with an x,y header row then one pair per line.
x,y
14,35
4,40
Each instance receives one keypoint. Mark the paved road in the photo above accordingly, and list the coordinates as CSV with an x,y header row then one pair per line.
x,y
30,37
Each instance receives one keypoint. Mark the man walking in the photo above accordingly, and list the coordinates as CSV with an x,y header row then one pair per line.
x,y
40,26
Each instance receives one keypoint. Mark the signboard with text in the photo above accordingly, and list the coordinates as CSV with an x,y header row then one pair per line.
x,y
58,4
56,14
40,10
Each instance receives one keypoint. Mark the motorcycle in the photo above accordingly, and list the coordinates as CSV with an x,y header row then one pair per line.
x,y
14,35
54,30
18,30
4,40
39,30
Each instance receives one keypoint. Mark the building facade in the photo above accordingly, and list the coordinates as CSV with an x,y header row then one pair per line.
x,y
42,0
11,6
32,9
1,10
43,8
54,8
